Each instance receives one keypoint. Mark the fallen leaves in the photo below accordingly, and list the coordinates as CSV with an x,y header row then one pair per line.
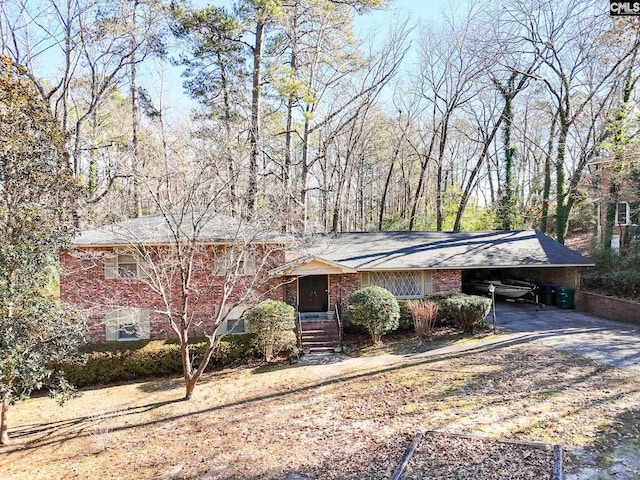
x,y
348,420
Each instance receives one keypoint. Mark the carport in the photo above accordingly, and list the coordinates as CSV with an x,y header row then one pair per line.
x,y
533,257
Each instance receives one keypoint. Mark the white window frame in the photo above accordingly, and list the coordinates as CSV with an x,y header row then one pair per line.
x,y
125,324
113,267
378,278
236,314
627,214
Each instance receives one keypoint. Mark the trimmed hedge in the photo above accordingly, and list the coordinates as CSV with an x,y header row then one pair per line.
x,y
375,309
464,311
406,317
124,361
443,317
273,322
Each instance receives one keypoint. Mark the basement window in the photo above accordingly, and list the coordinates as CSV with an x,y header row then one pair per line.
x,y
126,324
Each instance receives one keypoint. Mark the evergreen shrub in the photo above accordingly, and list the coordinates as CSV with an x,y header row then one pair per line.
x,y
376,310
125,361
273,322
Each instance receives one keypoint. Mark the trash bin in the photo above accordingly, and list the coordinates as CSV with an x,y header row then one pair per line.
x,y
564,297
549,294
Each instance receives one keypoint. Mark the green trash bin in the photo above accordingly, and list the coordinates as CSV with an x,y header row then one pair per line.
x,y
564,297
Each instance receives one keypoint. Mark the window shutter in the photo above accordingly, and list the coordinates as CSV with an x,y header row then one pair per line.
x,y
143,269
111,326
111,267
428,282
143,323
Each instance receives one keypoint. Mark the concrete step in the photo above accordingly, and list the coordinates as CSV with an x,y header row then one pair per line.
x,y
325,349
314,316
320,331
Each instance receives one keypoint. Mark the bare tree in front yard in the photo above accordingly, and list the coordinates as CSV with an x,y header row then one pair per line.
x,y
196,266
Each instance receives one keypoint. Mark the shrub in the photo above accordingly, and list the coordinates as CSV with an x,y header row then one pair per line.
x,y
424,315
405,322
273,322
466,311
376,310
443,317
616,273
118,362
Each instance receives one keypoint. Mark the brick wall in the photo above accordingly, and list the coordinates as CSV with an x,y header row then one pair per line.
x,y
608,307
447,280
340,289
83,284
627,193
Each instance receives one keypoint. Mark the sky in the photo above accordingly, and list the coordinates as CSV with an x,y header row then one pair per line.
x,y
418,11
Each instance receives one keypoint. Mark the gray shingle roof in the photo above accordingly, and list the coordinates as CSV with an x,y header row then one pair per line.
x,y
361,251
445,250
155,230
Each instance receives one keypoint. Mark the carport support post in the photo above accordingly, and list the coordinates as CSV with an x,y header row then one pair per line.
x,y
492,291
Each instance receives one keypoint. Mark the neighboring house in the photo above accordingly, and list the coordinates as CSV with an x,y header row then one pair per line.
x,y
316,276
627,216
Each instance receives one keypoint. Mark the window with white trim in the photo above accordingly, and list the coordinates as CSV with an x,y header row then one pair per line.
x,y
622,213
235,323
127,323
627,213
403,284
123,267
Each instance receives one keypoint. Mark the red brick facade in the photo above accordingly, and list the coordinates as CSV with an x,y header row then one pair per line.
x,y
599,180
447,281
83,284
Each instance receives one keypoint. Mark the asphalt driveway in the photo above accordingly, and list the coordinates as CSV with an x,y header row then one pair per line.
x,y
606,341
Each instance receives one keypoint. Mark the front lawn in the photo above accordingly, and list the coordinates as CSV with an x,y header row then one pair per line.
x,y
347,420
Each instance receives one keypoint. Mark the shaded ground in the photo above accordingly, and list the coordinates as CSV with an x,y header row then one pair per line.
x,y
607,341
349,420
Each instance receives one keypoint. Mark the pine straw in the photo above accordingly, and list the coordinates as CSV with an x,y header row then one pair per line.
x,y
348,420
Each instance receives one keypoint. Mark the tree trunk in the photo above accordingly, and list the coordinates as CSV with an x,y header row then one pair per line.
x,y
231,170
620,139
424,163
254,134
383,200
135,118
5,399
546,192
562,214
507,212
484,156
305,170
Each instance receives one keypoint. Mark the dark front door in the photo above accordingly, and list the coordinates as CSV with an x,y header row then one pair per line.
x,y
313,293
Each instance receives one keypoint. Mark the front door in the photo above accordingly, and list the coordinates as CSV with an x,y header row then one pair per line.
x,y
313,293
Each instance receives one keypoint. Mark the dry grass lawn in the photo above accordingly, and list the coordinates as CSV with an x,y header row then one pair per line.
x,y
351,419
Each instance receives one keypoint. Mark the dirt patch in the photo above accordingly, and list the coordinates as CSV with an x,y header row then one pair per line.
x,y
348,420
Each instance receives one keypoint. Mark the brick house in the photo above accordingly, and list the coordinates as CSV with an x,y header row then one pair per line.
x,y
316,276
627,212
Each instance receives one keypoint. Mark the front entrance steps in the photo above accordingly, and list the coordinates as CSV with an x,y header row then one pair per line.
x,y
319,333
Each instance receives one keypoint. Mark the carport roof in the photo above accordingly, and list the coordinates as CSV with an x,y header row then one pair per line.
x,y
445,250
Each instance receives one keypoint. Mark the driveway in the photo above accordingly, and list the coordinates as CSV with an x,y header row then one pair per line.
x,y
606,341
